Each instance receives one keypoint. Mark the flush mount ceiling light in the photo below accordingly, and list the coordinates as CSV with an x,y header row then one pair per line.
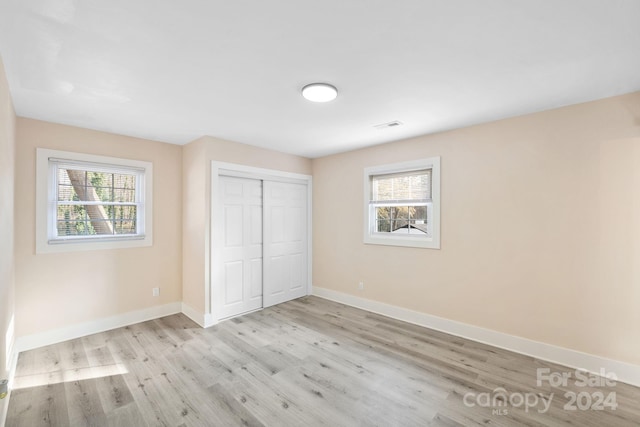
x,y
319,92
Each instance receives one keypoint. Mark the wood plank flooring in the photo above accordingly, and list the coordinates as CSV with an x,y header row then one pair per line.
x,y
308,362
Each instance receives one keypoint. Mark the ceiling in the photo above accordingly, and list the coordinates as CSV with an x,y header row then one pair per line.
x,y
176,70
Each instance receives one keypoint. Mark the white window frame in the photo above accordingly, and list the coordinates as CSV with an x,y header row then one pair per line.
x,y
430,240
47,240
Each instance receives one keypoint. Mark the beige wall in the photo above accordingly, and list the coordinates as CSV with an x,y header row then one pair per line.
x,y
7,152
540,228
197,158
58,290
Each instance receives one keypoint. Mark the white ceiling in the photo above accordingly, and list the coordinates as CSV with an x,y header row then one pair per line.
x,y
176,70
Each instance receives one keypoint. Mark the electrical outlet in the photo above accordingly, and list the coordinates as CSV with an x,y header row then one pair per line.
x,y
361,286
156,292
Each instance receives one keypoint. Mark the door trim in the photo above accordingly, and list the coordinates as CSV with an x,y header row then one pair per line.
x,y
242,171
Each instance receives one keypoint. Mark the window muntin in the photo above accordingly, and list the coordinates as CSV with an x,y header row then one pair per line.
x,y
402,204
96,201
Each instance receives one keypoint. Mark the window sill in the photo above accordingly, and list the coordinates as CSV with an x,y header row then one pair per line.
x,y
76,245
419,242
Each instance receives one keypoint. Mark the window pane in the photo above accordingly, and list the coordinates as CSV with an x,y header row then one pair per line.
x,y
72,185
417,227
124,212
400,225
383,226
66,213
401,219
66,192
99,186
96,219
400,212
124,181
125,227
124,195
124,188
75,228
419,212
383,212
82,185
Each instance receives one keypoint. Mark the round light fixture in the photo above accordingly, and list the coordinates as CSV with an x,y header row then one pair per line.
x,y
319,92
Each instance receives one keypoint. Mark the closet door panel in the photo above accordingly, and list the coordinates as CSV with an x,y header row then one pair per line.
x,y
285,242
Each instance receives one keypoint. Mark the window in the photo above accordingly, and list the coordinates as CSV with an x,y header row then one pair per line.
x,y
91,202
402,204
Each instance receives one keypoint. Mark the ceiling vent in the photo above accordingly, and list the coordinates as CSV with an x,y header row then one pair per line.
x,y
392,124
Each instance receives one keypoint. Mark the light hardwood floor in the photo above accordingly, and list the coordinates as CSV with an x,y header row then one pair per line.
x,y
308,362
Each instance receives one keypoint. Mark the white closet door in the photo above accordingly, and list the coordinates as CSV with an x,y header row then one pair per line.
x,y
285,242
241,270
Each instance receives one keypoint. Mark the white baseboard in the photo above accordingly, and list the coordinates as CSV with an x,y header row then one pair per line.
x,y
4,403
204,320
41,339
625,372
